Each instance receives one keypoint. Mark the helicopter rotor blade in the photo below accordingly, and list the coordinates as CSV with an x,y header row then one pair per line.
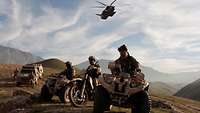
x,y
98,7
113,2
101,3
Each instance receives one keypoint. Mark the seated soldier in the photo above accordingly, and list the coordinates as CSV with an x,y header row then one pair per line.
x,y
128,64
69,72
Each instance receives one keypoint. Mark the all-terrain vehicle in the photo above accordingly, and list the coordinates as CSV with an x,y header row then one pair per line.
x,y
122,90
56,85
29,74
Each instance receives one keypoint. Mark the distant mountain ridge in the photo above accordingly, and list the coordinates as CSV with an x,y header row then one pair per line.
x,y
153,75
14,56
160,88
191,91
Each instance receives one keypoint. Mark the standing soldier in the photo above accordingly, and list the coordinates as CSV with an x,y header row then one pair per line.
x,y
69,72
93,70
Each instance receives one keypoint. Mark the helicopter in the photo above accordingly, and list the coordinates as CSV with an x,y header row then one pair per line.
x,y
108,11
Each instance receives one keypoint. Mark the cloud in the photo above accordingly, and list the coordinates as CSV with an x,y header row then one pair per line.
x,y
159,33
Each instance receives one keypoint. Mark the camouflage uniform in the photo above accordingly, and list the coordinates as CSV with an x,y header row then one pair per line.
x,y
94,71
128,64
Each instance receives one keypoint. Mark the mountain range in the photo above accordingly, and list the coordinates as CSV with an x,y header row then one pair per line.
x,y
14,56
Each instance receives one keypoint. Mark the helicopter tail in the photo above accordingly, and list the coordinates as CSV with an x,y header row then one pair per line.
x,y
98,14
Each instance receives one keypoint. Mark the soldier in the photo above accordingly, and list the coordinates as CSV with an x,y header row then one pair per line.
x,y
129,64
93,70
125,62
69,72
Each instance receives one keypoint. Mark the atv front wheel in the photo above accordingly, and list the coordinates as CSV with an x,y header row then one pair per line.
x,y
102,100
141,102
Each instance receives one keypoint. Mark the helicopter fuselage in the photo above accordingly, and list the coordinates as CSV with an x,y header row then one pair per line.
x,y
109,11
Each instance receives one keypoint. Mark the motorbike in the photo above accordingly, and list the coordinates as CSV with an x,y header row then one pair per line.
x,y
81,91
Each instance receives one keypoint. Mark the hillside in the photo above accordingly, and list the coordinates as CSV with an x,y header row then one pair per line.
x,y
53,63
14,56
160,88
191,91
152,75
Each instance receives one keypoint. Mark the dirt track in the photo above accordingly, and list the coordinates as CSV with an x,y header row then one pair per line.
x,y
180,107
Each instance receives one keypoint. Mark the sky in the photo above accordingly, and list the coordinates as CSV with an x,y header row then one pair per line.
x,y
162,34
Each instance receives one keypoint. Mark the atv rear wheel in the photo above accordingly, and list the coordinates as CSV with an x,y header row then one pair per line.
x,y
102,100
45,94
64,94
141,102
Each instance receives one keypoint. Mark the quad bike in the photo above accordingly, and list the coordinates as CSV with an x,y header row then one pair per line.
x,y
122,90
56,85
81,91
29,75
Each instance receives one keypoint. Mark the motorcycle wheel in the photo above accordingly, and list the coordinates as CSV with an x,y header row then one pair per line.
x,y
75,96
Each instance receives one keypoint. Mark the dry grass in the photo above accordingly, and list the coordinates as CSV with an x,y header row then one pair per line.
x,y
6,70
158,110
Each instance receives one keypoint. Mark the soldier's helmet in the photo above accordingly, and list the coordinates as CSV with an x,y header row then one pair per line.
x,y
123,48
68,63
92,58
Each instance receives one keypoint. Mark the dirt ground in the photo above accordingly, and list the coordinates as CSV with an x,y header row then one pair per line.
x,y
8,86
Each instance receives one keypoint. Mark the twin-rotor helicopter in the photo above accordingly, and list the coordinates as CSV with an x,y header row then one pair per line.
x,y
109,10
